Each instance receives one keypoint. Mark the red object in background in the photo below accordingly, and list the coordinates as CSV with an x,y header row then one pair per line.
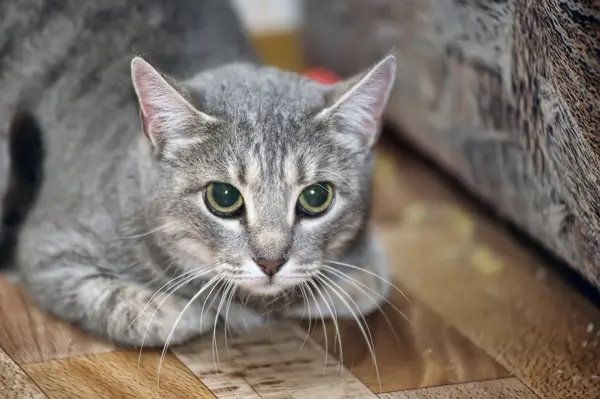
x,y
322,75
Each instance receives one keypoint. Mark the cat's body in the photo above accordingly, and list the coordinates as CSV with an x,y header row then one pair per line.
x,y
121,213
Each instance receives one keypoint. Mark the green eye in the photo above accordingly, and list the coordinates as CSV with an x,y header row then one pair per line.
x,y
315,199
223,199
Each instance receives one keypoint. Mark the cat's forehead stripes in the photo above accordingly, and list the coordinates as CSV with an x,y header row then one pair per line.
x,y
264,190
290,171
252,171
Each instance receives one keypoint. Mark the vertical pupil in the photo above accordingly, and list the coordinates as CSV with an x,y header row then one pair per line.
x,y
316,196
224,194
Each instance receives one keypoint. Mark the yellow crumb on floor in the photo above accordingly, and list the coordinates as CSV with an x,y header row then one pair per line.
x,y
414,214
461,222
485,261
385,167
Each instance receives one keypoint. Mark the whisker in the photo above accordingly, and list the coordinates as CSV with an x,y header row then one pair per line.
x,y
216,278
157,278
206,300
338,335
159,228
324,327
209,306
353,280
356,283
227,307
224,294
272,301
154,314
323,277
246,301
216,316
364,328
377,276
199,269
305,303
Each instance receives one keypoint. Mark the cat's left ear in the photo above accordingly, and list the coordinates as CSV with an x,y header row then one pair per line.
x,y
358,103
168,119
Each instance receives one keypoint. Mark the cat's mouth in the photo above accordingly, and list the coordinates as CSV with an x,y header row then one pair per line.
x,y
256,282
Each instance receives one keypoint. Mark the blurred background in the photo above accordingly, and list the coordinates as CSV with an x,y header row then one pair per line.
x,y
275,27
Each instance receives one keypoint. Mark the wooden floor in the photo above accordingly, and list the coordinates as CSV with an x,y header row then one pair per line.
x,y
485,319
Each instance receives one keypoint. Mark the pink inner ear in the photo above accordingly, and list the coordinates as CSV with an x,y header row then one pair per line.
x,y
141,78
149,92
156,98
361,106
144,120
147,114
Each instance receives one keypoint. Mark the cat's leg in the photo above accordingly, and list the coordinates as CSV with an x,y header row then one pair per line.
x,y
63,278
122,312
358,285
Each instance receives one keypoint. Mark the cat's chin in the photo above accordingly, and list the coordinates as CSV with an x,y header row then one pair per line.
x,y
266,290
264,287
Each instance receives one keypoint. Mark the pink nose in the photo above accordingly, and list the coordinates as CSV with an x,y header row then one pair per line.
x,y
270,267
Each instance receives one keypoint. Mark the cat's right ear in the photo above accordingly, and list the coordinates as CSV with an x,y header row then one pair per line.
x,y
359,103
168,119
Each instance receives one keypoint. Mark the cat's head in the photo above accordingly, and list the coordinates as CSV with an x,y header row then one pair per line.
x,y
264,172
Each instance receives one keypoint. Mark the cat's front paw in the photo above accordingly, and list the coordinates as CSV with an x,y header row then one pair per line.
x,y
155,322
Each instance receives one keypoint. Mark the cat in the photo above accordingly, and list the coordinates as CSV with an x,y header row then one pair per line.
x,y
228,184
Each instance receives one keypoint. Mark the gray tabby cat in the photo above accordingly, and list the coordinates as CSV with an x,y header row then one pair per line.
x,y
233,186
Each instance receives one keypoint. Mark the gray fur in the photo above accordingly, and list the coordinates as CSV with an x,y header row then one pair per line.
x,y
118,217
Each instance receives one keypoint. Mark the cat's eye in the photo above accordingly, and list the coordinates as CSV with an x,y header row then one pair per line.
x,y
223,199
315,199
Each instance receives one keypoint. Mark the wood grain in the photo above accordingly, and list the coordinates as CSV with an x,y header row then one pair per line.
x,y
14,383
116,375
416,349
492,289
222,376
30,335
508,388
271,362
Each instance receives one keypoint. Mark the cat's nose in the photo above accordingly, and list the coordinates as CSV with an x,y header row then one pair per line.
x,y
270,266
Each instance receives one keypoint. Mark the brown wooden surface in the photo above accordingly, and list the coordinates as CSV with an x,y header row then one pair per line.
x,y
507,388
486,318
422,348
270,362
117,375
483,282
14,383
29,335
